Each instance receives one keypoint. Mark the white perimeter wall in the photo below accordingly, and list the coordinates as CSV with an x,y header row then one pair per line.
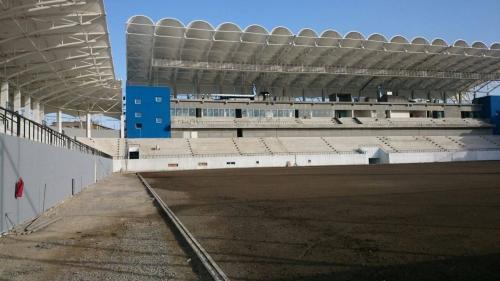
x,y
427,157
47,173
193,163
218,162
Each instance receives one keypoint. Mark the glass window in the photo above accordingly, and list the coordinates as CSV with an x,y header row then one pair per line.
x,y
185,112
178,112
158,99
137,101
192,112
205,112
172,112
138,114
159,120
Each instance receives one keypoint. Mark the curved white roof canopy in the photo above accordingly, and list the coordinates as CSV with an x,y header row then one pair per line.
x,y
58,51
186,57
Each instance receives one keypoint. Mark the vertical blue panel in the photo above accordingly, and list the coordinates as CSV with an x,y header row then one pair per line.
x,y
148,112
491,110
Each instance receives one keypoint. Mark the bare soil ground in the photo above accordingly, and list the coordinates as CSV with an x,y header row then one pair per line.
x,y
110,231
382,222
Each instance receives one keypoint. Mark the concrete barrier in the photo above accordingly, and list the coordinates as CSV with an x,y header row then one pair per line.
x,y
255,161
237,161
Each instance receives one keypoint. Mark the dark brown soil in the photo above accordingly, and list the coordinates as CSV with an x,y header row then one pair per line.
x,y
384,222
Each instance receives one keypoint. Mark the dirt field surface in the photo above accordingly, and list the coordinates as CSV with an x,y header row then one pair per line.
x,y
382,222
110,231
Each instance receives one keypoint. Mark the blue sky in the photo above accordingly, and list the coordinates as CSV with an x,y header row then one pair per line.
x,y
471,20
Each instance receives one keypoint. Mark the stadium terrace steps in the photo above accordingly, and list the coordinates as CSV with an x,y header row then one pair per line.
x,y
210,146
474,142
157,148
314,145
412,143
249,146
322,122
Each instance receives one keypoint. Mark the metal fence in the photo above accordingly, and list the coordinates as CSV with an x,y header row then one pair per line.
x,y
14,124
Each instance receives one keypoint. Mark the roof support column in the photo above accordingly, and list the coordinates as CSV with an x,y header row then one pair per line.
x,y
17,100
36,110
122,126
175,91
27,107
4,95
42,113
88,123
444,96
59,121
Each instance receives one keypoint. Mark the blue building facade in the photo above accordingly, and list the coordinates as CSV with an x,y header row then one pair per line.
x,y
147,112
490,110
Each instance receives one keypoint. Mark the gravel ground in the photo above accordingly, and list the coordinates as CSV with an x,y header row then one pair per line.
x,y
384,222
110,231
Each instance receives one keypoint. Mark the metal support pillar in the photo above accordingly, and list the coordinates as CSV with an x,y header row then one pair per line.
x,y
122,126
27,107
89,125
4,95
42,113
17,100
36,110
59,121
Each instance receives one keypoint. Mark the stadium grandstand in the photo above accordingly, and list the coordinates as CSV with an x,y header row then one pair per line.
x,y
242,95
234,82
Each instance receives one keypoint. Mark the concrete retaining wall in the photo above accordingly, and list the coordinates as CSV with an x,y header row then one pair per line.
x,y
219,162
48,173
428,157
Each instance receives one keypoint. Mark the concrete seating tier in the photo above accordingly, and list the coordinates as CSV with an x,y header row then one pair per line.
x,y
452,122
108,146
275,145
475,142
375,122
412,122
306,145
157,147
324,122
293,145
213,146
412,143
251,146
353,144
445,142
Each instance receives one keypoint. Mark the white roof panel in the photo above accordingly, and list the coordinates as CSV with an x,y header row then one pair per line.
x,y
233,56
58,51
